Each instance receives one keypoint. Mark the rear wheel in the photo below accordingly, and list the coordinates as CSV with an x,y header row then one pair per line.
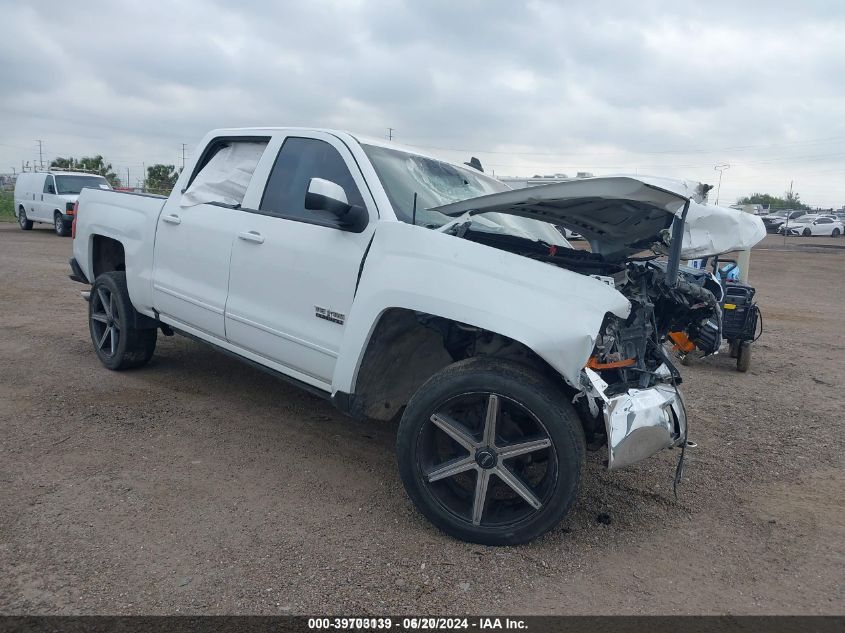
x,y
111,320
491,452
24,223
743,357
835,233
60,225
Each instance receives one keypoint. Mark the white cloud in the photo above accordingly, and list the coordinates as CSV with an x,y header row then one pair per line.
x,y
657,87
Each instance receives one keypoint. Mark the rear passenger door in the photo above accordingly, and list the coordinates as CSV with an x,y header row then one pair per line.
x,y
294,271
194,237
823,226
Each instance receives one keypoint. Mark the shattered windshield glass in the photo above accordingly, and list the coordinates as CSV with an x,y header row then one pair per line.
x,y
437,183
434,182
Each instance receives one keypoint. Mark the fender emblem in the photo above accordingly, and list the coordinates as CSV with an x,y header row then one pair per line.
x,y
329,315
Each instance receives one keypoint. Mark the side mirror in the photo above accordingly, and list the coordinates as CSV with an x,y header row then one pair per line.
x,y
325,195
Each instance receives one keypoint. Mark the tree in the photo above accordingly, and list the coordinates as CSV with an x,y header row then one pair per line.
x,y
161,178
790,200
91,164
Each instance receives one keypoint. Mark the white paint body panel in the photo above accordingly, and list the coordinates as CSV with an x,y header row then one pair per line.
x,y
553,311
129,219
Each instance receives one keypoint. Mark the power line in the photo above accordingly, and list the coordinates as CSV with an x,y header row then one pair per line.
x,y
829,139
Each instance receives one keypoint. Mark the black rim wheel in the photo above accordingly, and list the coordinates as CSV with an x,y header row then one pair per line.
x,y
105,321
487,459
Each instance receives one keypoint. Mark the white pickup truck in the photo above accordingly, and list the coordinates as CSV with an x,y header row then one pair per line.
x,y
404,287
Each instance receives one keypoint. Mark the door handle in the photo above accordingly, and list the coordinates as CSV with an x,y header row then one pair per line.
x,y
251,236
172,219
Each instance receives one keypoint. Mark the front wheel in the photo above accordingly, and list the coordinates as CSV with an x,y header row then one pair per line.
x,y
60,225
807,233
111,320
23,222
491,452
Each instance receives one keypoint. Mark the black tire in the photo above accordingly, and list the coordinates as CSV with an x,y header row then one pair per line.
x,y
111,321
743,357
733,347
807,233
530,410
61,227
835,233
23,222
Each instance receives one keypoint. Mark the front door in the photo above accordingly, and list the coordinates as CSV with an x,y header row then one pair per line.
x,y
194,238
293,271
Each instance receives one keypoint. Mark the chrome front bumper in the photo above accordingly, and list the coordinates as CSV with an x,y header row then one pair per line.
x,y
639,423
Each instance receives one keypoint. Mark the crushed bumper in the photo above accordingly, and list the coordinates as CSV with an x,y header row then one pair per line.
x,y
640,422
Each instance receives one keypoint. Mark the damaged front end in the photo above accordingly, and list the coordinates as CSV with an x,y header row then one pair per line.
x,y
637,422
628,388
629,398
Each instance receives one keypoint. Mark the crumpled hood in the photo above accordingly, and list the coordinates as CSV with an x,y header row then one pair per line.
x,y
623,215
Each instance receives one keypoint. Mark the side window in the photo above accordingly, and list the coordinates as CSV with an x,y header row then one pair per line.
x,y
49,187
225,174
825,221
300,160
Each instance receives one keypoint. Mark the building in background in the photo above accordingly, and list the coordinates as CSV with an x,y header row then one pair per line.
x,y
521,182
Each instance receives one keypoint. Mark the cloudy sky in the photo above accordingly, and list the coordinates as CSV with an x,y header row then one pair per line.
x,y
664,88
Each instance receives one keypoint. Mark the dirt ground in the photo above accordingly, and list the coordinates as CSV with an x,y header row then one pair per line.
x,y
200,485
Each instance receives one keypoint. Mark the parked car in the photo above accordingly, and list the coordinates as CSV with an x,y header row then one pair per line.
x,y
49,197
813,224
399,286
773,221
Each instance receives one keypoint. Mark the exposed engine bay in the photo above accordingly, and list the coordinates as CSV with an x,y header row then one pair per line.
x,y
629,352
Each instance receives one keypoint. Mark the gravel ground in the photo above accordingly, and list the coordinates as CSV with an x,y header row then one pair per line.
x,y
200,485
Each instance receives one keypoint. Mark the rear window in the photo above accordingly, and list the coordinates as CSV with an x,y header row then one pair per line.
x,y
69,185
225,176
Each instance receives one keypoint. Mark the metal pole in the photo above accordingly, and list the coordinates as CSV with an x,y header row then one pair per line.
x,y
720,168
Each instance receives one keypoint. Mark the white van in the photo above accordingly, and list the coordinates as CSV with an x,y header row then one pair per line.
x,y
49,197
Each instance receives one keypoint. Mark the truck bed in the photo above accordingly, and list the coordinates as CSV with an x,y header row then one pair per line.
x,y
130,218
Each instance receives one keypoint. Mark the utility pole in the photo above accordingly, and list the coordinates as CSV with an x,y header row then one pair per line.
x,y
144,174
720,168
183,156
127,178
788,213
390,132
40,153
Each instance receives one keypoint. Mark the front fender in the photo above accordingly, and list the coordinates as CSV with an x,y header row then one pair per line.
x,y
554,312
